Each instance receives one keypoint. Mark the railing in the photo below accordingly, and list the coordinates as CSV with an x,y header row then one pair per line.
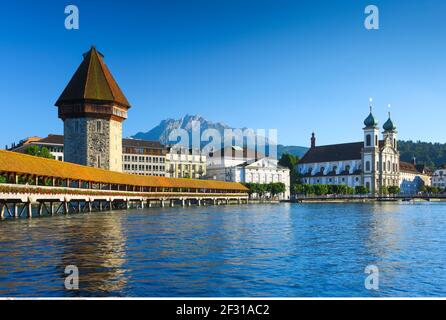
x,y
45,190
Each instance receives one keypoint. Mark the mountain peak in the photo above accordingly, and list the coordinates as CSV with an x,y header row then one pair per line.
x,y
162,130
165,127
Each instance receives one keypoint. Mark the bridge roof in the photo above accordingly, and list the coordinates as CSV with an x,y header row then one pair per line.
x,y
19,163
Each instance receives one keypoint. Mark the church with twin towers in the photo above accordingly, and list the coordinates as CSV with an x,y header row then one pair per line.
x,y
373,163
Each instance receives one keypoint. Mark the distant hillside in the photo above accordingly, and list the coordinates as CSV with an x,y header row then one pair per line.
x,y
428,153
294,150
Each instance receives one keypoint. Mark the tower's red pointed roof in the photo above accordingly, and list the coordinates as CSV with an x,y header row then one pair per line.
x,y
92,81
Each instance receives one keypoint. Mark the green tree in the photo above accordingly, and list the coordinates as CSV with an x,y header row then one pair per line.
x,y
276,188
308,189
430,154
321,189
39,152
296,189
262,189
342,189
361,190
3,179
251,188
333,189
32,151
435,190
350,190
290,161
394,190
384,190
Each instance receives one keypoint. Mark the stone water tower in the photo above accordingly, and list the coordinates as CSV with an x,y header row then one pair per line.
x,y
93,107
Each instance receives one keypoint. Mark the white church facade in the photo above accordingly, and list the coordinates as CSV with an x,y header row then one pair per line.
x,y
372,163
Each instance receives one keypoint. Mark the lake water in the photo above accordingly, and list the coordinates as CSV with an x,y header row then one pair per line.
x,y
282,250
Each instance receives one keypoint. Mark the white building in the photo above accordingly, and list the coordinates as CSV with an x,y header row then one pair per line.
x,y
439,177
237,164
142,157
372,163
185,164
54,144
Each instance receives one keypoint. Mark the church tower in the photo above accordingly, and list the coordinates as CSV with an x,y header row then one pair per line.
x,y
390,133
390,156
93,107
370,153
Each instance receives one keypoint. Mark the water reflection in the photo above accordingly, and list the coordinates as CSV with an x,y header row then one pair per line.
x,y
34,253
256,250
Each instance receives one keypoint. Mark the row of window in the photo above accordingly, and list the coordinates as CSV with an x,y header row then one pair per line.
x,y
186,167
142,167
138,150
331,180
150,174
128,158
335,169
388,167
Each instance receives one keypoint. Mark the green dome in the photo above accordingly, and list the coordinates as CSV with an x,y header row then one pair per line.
x,y
370,121
389,126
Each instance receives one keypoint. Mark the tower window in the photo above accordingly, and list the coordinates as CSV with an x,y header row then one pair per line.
x,y
368,140
367,166
76,126
99,126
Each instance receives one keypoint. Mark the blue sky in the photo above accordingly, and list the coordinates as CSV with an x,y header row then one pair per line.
x,y
297,66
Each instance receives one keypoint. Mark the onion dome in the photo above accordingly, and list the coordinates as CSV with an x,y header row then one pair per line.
x,y
370,121
389,126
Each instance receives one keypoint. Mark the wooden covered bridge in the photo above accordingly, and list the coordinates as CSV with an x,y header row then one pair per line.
x,y
32,186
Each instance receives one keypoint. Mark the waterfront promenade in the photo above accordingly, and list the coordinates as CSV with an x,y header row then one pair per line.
x,y
36,186
369,198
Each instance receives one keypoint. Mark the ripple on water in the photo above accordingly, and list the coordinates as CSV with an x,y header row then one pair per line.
x,y
284,250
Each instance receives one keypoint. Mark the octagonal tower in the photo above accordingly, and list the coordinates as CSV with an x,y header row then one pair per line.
x,y
93,107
